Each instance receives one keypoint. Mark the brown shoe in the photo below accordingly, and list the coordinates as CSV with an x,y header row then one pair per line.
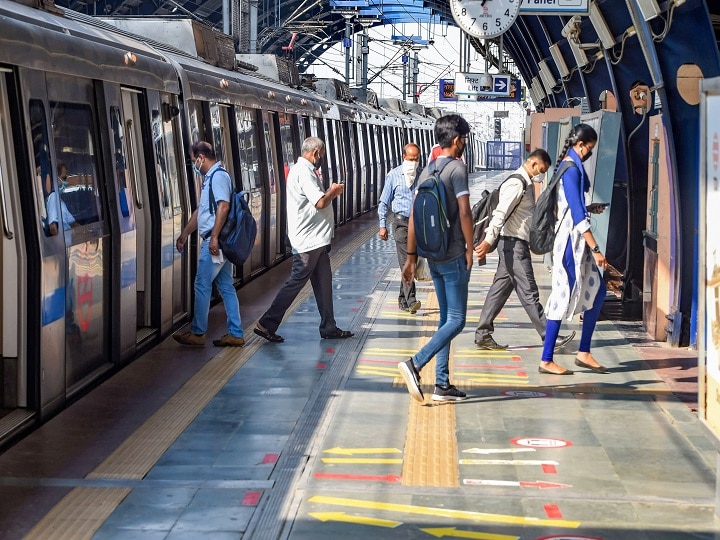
x,y
188,338
229,341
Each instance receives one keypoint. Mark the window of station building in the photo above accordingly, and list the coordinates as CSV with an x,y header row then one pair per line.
x,y
248,146
77,162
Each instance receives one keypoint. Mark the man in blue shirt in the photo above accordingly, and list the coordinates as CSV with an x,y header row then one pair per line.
x,y
398,194
211,266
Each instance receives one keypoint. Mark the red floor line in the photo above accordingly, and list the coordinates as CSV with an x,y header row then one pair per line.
x,y
549,469
552,511
251,498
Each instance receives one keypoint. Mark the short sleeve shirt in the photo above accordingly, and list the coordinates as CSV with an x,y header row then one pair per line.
x,y
222,191
308,227
455,179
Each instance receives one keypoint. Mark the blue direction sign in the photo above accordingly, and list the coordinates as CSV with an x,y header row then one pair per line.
x,y
501,84
513,93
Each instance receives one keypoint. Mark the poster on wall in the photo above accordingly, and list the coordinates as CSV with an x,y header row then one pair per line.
x,y
712,240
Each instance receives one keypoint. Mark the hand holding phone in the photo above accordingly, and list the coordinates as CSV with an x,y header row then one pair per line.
x,y
597,208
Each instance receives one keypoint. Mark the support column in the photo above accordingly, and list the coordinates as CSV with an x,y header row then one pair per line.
x,y
347,42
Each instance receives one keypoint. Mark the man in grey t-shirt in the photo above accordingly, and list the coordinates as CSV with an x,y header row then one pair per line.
x,y
450,274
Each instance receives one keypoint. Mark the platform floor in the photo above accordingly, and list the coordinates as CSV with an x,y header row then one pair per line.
x,y
317,439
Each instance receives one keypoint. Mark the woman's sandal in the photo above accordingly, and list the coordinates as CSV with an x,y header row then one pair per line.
x,y
272,337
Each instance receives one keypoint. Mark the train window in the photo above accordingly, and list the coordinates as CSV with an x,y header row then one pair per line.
x,y
123,173
161,166
218,132
286,142
41,153
332,160
172,161
301,128
249,152
77,163
195,114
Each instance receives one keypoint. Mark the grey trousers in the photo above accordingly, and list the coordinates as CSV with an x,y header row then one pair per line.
x,y
400,233
514,271
314,266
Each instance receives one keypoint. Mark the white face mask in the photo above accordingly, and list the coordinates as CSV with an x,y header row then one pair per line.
x,y
409,169
538,177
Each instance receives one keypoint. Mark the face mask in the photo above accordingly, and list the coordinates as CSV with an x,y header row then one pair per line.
x,y
409,167
318,162
538,177
587,156
63,185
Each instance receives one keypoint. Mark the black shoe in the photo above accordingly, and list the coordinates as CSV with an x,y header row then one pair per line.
x,y
448,393
412,379
338,334
489,344
564,340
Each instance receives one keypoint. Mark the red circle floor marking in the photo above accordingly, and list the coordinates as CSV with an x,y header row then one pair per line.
x,y
569,538
539,442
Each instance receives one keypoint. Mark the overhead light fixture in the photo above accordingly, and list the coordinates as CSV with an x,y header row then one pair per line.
x,y
649,9
559,60
546,75
538,88
601,27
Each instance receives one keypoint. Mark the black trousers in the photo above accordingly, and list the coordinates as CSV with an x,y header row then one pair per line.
x,y
400,233
514,272
314,266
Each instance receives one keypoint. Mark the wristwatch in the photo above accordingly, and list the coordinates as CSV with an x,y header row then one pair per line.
x,y
595,249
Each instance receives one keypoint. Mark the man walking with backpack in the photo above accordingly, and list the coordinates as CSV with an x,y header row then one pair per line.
x,y
398,195
449,267
212,266
510,228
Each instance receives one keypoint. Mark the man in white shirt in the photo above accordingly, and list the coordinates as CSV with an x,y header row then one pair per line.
x,y
310,230
510,225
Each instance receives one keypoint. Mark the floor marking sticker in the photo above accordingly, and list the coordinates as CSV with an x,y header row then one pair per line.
x,y
385,461
342,516
506,462
251,498
539,484
497,450
353,451
537,442
552,511
453,532
443,512
389,478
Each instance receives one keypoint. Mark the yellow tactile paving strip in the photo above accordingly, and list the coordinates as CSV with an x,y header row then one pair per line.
x,y
431,454
79,514
82,511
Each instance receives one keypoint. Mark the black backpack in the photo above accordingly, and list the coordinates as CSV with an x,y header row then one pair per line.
x,y
237,236
430,217
482,211
542,225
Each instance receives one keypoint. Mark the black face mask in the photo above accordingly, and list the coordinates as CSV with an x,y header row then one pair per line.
x,y
318,162
587,156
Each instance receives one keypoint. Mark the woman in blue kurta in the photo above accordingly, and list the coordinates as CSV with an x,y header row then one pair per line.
x,y
577,285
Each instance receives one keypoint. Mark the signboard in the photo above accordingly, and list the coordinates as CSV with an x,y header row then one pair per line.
x,y
447,92
709,267
502,114
554,7
482,84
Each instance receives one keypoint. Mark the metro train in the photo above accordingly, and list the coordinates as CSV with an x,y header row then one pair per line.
x,y
95,126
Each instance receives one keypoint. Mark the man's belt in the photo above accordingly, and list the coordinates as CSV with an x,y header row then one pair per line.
x,y
512,238
401,218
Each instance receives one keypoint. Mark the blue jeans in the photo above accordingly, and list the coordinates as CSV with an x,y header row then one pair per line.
x,y
451,286
221,274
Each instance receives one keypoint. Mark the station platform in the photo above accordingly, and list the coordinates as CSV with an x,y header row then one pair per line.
x,y
315,439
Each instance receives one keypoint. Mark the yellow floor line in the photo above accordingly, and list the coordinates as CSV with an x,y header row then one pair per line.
x,y
431,453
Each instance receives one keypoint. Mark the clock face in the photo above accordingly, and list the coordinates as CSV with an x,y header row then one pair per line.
x,y
485,18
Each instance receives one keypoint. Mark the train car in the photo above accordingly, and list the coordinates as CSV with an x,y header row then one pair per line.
x,y
96,185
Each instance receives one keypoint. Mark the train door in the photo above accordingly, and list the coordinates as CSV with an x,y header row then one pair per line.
x,y
373,165
252,181
380,163
274,191
76,221
15,398
336,161
362,152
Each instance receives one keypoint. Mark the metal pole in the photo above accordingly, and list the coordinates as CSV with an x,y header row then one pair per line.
x,y
348,36
416,71
365,50
253,25
226,16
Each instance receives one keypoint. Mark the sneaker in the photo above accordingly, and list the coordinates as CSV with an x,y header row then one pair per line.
x,y
412,379
489,344
188,338
414,306
564,340
228,340
448,393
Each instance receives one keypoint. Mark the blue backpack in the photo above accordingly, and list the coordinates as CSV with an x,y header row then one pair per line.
x,y
430,217
237,236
